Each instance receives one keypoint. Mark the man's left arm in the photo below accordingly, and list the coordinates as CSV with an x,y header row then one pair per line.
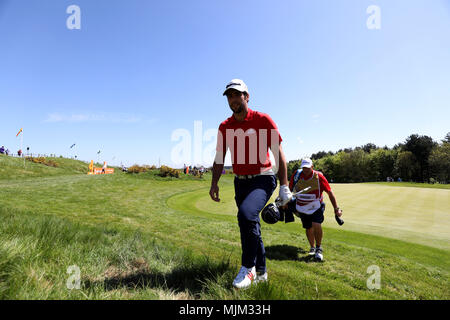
x,y
282,168
285,193
280,161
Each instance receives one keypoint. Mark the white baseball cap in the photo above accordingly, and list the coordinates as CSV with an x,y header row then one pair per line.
x,y
236,84
306,163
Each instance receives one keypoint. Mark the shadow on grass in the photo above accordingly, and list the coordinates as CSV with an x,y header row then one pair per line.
x,y
193,277
287,252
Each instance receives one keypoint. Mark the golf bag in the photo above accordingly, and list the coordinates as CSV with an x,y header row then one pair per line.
x,y
272,213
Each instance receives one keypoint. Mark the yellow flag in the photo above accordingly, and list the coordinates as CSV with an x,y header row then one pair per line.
x,y
21,129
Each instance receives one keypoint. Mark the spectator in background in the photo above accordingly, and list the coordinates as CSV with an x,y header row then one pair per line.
x,y
7,151
19,153
2,150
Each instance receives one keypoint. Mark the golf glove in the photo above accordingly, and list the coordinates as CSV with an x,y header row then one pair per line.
x,y
285,195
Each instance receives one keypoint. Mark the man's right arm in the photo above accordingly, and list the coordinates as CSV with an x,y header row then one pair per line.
x,y
216,174
218,165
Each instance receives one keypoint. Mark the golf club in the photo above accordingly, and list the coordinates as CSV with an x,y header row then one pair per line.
x,y
278,201
339,220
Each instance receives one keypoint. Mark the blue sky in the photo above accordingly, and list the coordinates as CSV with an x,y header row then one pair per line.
x,y
138,70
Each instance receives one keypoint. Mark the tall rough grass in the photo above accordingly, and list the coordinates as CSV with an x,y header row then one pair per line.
x,y
36,251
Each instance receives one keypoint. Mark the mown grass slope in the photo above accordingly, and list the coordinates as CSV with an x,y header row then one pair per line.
x,y
12,168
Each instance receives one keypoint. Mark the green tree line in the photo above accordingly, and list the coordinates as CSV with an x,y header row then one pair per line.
x,y
419,159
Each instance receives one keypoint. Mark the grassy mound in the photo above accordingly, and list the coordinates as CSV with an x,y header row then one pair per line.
x,y
17,168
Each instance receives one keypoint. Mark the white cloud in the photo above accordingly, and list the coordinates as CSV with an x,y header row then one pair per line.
x,y
94,117
54,118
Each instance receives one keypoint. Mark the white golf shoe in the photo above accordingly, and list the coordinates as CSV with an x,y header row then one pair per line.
x,y
261,277
244,278
319,254
312,251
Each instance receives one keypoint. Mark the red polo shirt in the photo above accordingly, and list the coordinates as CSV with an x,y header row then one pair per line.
x,y
249,141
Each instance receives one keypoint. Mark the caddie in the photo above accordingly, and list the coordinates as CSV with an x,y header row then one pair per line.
x,y
249,134
310,206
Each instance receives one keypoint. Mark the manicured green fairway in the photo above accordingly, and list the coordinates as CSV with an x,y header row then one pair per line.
x,y
146,237
418,215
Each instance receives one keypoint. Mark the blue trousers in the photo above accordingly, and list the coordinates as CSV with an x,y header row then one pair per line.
x,y
251,196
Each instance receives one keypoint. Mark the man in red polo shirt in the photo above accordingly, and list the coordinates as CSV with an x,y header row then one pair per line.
x,y
249,134
310,206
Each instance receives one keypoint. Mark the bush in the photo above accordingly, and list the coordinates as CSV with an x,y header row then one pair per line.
x,y
42,160
166,171
138,169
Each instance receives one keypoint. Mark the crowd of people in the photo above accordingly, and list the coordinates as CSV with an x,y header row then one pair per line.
x,y
195,171
5,151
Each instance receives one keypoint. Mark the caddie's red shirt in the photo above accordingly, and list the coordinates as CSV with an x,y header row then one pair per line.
x,y
249,141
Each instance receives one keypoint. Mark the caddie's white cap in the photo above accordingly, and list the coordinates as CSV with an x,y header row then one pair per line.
x,y
236,84
306,163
